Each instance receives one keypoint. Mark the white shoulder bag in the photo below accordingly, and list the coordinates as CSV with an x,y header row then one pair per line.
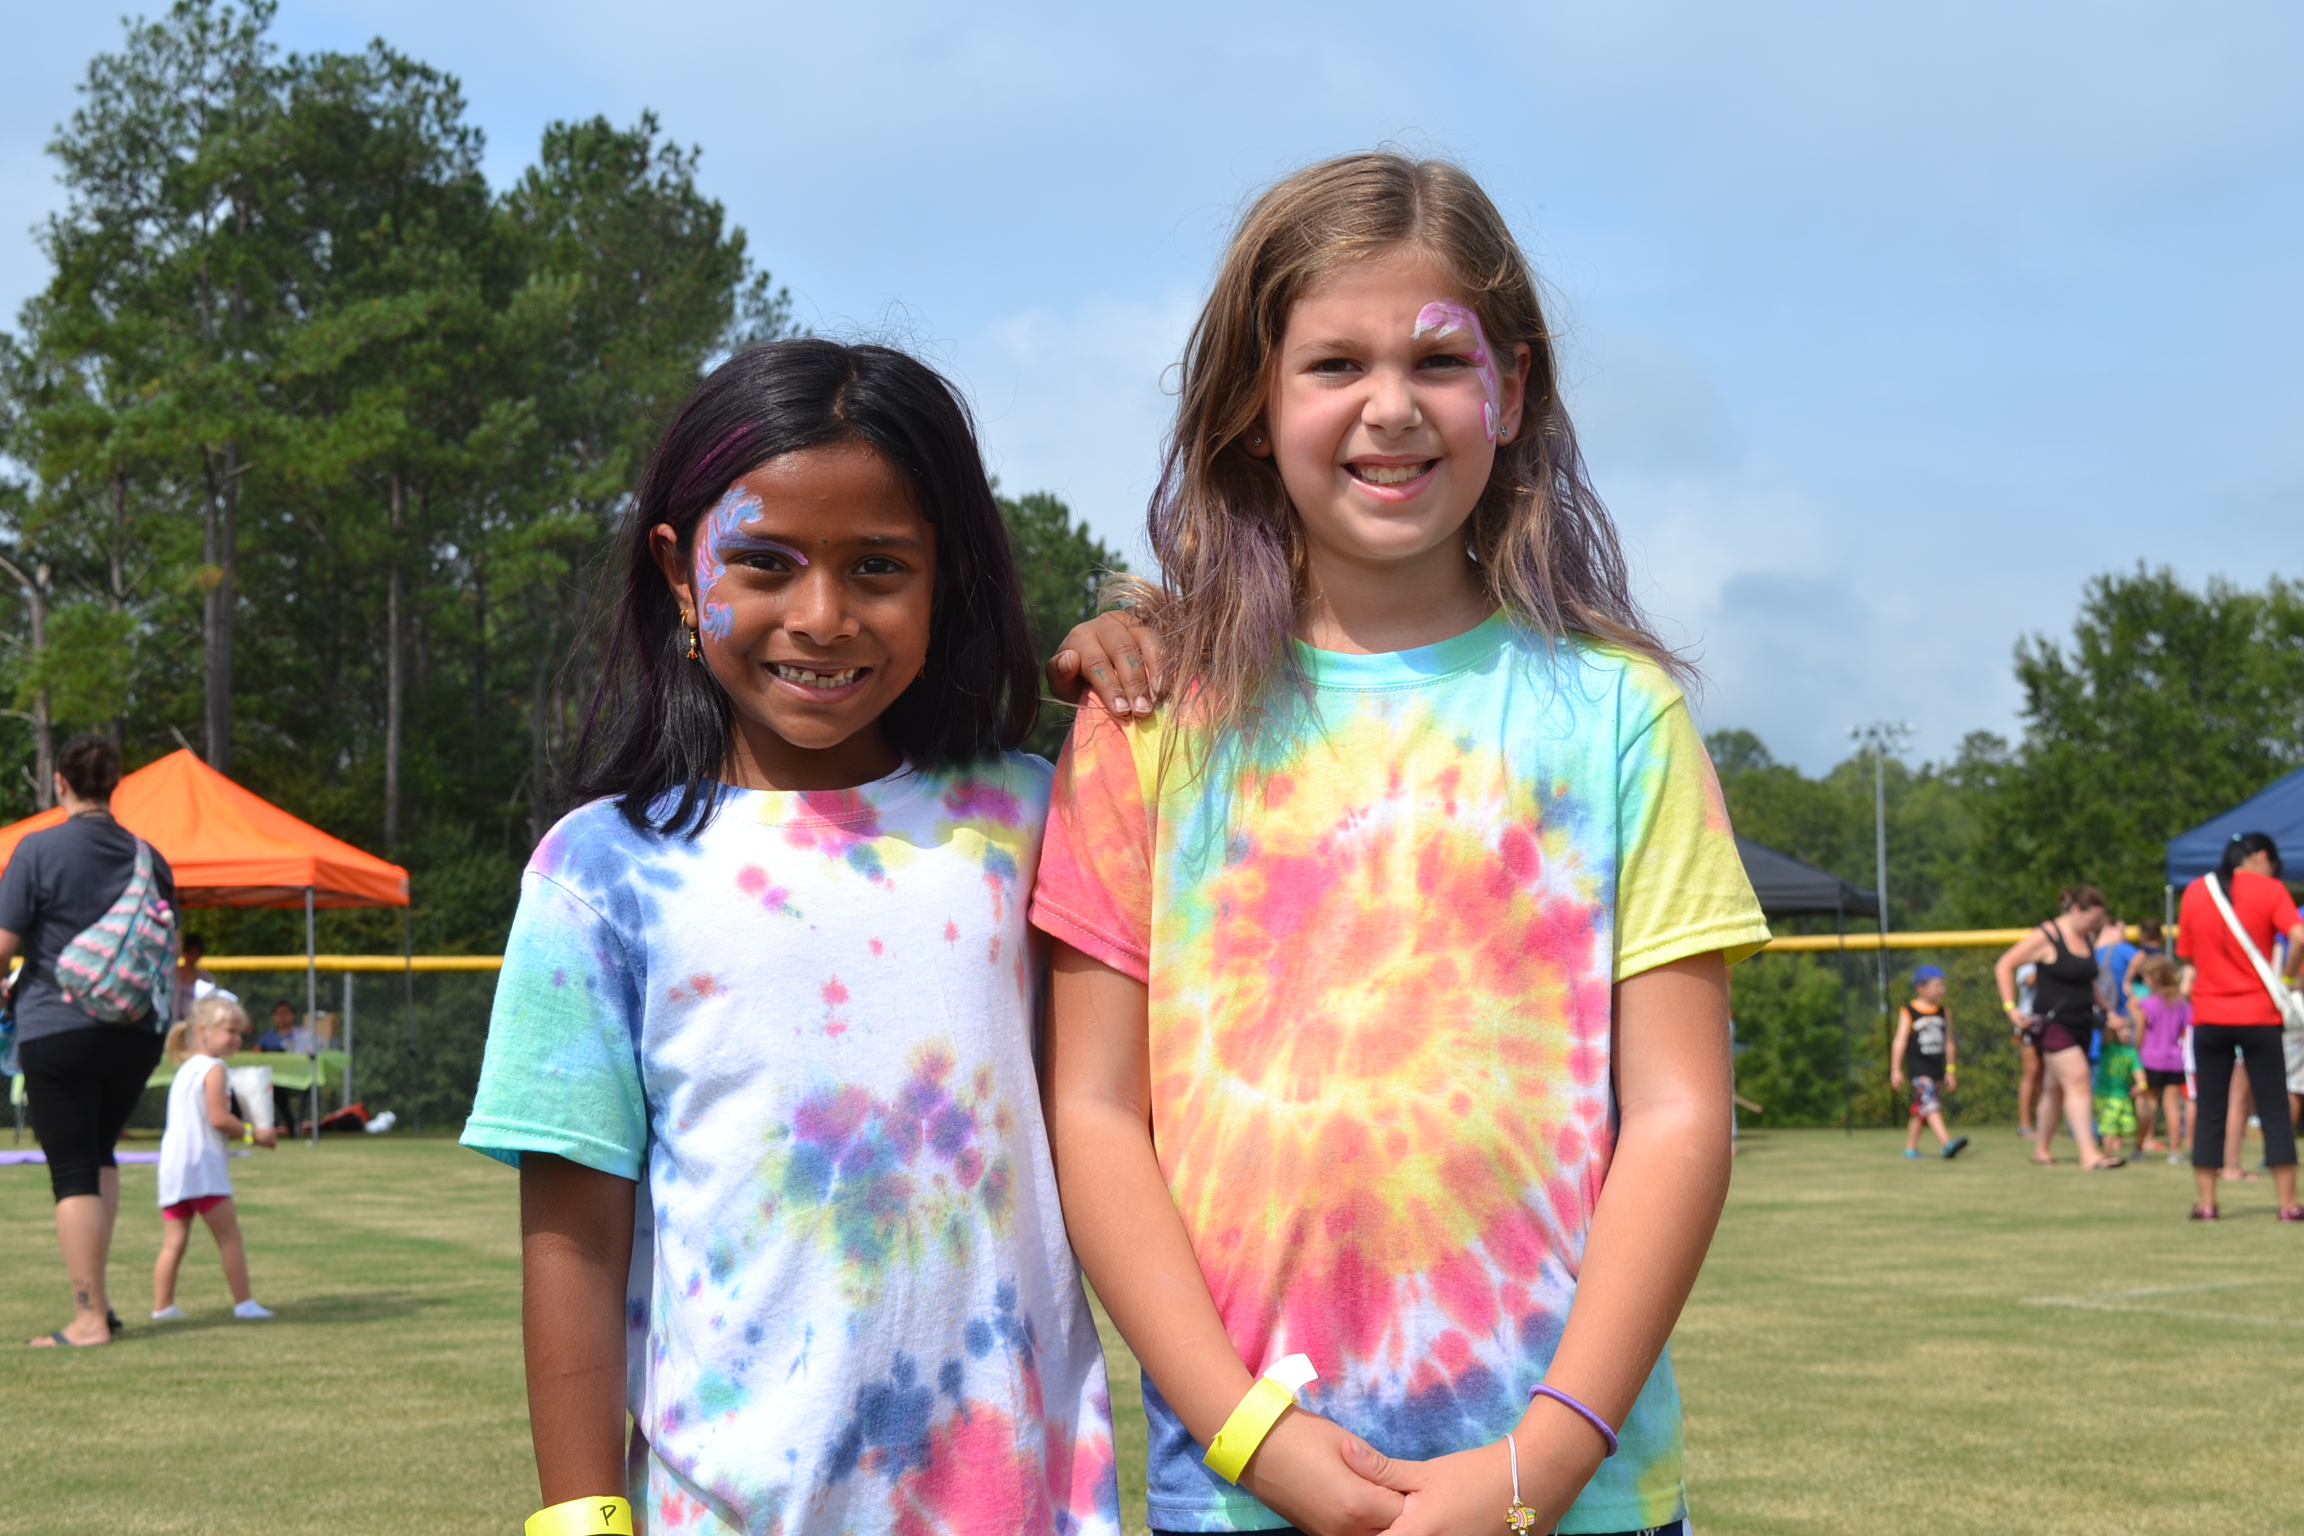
x,y
2290,1005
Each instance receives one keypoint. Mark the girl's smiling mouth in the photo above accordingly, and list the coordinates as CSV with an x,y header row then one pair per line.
x,y
1379,475
819,682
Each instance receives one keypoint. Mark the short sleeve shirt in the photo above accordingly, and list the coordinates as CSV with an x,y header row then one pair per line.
x,y
2116,1070
807,1031
2225,986
1380,946
58,883
2165,1020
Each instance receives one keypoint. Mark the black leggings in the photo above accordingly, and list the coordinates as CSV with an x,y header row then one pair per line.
x,y
83,1085
2259,1050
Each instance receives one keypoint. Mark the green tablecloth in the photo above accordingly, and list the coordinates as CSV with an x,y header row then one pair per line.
x,y
289,1071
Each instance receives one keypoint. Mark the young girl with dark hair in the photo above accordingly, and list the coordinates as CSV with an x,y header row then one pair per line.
x,y
1389,1045
762,1045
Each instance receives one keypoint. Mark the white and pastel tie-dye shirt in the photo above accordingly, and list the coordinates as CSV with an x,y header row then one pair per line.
x,y
808,1032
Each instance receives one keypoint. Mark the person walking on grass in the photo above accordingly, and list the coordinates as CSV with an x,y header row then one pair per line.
x,y
2166,1015
2241,906
1924,1054
194,1178
91,1003
2062,1019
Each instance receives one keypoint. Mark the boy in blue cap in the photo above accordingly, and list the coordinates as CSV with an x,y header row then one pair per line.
x,y
1924,1053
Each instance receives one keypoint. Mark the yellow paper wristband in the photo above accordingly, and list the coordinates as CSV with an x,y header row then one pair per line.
x,y
583,1517
1273,1395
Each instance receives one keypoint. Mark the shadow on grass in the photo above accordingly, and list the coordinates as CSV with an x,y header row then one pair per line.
x,y
358,1307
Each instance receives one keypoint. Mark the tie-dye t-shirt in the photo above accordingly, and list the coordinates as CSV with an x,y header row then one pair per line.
x,y
1380,957
807,1032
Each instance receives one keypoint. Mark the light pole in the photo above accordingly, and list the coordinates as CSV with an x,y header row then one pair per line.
x,y
1879,739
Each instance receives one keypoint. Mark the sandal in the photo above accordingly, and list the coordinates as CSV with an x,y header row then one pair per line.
x,y
2292,1213
2105,1164
57,1340
2204,1213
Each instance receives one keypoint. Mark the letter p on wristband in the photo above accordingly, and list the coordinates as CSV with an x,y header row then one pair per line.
x,y
1273,1395
583,1517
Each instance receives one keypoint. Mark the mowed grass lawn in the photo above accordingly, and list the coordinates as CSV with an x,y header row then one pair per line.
x,y
1876,1347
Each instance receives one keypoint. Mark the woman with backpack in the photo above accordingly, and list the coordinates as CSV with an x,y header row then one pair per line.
x,y
86,1049
2226,928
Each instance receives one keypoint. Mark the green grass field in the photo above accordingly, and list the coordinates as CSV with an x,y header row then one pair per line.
x,y
1875,1347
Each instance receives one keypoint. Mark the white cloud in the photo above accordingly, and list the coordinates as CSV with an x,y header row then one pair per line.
x,y
1072,402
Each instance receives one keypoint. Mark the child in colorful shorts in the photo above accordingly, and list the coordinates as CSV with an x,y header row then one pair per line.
x,y
2120,1082
1389,1049
1923,1053
762,1047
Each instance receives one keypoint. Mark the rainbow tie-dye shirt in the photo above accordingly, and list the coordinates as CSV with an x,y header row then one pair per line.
x,y
807,1032
1380,954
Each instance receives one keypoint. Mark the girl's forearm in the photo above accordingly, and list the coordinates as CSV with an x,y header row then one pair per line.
x,y
1664,1191
1665,1188
1132,1244
576,1253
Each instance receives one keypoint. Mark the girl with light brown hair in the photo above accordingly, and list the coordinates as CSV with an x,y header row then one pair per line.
x,y
1406,925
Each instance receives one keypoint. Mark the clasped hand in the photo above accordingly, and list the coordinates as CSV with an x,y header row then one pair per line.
x,y
1330,1482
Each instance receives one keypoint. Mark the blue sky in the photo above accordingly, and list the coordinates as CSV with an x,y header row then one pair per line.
x,y
1886,327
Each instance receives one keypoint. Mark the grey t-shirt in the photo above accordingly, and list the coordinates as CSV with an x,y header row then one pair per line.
x,y
57,883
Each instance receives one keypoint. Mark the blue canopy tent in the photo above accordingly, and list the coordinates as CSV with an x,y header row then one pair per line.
x,y
2276,810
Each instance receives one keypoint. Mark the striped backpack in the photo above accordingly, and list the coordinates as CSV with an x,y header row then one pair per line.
x,y
124,964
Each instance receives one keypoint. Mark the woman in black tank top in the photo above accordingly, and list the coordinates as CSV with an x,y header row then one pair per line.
x,y
2063,1017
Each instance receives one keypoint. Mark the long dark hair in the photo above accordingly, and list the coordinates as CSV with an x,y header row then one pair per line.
x,y
2241,846
660,722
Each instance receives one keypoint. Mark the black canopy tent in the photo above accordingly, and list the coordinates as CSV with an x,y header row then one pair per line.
x,y
1789,887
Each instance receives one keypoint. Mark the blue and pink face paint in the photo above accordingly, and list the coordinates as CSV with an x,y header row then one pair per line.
x,y
1443,318
719,535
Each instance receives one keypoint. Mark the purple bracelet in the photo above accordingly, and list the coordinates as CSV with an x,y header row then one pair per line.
x,y
1589,1417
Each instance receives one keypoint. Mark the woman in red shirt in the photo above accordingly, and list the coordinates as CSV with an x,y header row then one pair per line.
x,y
2232,1014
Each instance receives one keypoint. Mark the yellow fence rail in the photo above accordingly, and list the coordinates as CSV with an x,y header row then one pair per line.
x,y
353,963
1961,938
1799,943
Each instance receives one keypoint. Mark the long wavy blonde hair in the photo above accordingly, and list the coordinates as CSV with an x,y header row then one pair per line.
x,y
1230,548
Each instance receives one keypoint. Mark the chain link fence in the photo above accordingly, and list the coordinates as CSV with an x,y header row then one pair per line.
x,y
415,1038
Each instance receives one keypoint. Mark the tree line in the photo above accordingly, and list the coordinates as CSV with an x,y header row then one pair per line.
x,y
311,443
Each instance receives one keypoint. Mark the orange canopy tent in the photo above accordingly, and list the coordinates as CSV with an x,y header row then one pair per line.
x,y
231,848
228,847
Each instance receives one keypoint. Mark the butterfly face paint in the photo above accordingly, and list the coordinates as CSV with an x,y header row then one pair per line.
x,y
1443,318
718,536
